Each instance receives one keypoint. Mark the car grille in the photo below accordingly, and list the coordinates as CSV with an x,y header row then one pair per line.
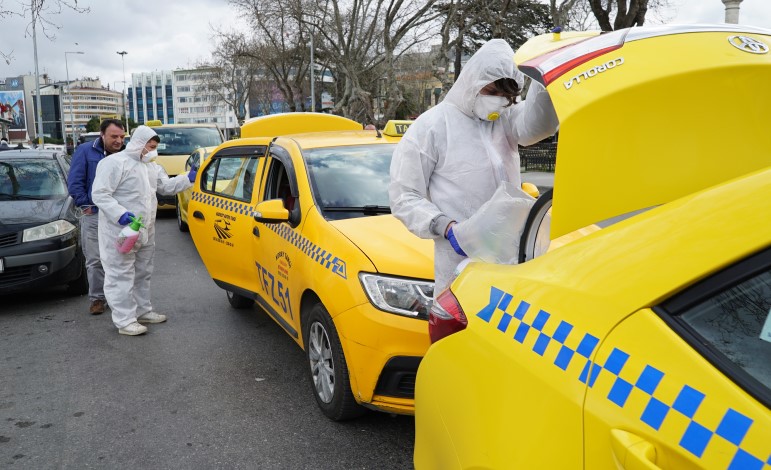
x,y
8,239
16,275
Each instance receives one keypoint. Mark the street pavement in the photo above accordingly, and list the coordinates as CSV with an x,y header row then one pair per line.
x,y
211,388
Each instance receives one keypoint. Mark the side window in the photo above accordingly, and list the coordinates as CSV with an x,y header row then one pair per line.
x,y
736,322
277,184
231,176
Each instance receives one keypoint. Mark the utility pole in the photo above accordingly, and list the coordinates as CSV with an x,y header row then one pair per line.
x,y
732,11
69,94
39,117
125,117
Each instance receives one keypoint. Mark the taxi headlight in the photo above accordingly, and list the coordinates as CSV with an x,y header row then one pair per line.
x,y
408,297
49,230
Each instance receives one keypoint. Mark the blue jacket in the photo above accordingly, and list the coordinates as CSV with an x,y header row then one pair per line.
x,y
83,171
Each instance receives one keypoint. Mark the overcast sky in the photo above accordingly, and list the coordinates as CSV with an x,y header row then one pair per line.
x,y
171,34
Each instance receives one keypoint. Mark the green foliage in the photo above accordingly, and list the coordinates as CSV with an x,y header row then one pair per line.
x,y
93,124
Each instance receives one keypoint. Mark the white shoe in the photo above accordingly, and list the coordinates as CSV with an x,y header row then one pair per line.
x,y
152,317
132,329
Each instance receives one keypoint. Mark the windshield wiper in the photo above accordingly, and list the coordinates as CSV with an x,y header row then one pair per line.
x,y
19,197
368,209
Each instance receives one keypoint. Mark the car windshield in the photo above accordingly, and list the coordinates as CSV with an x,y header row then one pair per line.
x,y
184,140
353,177
31,179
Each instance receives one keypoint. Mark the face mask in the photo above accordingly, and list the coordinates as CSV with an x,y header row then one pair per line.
x,y
489,108
149,156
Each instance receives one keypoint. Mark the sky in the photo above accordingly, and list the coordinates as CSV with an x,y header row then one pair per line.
x,y
172,34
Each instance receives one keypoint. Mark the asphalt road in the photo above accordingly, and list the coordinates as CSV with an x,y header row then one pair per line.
x,y
211,388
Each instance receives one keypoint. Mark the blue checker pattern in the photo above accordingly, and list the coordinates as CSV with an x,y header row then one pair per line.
x,y
732,428
313,251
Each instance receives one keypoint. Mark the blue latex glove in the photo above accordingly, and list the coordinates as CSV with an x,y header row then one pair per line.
x,y
454,243
124,219
191,174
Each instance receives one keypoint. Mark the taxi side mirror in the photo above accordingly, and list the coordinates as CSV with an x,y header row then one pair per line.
x,y
531,189
271,212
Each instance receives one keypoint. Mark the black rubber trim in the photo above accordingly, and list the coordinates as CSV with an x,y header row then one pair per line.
x,y
671,309
245,151
397,379
264,304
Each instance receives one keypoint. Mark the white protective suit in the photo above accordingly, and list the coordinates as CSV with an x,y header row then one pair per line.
x,y
125,184
450,162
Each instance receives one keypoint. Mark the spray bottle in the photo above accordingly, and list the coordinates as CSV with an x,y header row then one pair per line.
x,y
129,235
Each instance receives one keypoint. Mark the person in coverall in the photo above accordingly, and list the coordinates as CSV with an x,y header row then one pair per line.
x,y
454,156
125,187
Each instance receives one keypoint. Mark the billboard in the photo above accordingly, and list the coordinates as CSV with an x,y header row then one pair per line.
x,y
12,108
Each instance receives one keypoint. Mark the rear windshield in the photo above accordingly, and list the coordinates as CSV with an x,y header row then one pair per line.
x,y
354,176
181,140
31,179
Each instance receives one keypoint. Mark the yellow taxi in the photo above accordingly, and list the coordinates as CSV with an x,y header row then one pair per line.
x,y
195,159
178,141
646,344
295,217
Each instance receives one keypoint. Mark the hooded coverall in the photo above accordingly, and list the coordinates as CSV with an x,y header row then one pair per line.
x,y
123,184
450,162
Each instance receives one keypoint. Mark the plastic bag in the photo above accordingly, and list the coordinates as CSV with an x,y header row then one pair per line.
x,y
493,233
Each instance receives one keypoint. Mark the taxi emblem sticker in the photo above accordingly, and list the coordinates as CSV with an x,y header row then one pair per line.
x,y
223,231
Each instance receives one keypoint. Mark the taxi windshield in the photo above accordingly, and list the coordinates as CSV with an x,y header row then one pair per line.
x,y
184,140
351,178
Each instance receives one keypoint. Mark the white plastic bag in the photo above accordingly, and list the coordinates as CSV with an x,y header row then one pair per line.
x,y
493,233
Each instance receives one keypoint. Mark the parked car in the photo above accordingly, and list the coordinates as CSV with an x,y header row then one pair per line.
x,y
647,343
178,141
39,232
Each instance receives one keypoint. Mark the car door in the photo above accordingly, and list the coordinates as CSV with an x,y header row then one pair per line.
x,y
687,384
220,214
273,244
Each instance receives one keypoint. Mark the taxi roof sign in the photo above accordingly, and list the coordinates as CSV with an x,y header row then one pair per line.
x,y
396,128
296,123
154,123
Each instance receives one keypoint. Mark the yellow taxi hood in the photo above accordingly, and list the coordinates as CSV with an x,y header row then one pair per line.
x,y
650,114
390,246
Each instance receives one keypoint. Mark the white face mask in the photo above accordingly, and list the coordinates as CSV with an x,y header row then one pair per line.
x,y
149,156
489,108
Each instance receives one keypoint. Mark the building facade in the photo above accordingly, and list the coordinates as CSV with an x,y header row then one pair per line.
x,y
151,97
193,104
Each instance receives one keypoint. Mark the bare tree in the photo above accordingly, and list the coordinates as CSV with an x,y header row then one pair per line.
x,y
230,74
628,12
40,13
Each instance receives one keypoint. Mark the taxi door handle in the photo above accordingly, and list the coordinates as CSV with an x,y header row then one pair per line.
x,y
256,232
198,215
632,451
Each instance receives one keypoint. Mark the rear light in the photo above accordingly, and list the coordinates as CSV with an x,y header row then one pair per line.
x,y
446,317
553,65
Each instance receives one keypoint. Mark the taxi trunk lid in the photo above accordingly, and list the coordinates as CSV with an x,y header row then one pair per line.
x,y
650,114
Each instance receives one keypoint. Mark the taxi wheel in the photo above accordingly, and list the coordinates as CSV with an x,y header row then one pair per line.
x,y
329,371
180,224
239,301
532,234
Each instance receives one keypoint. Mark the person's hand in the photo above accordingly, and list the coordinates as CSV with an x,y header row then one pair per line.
x,y
454,243
191,174
125,219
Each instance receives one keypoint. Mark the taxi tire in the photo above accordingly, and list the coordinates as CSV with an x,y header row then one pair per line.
x,y
239,301
537,213
343,405
182,226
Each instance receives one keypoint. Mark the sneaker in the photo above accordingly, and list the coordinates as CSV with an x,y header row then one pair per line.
x,y
133,329
97,307
152,317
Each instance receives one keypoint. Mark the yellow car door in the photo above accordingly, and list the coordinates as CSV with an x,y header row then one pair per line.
x,y
272,249
221,214
686,384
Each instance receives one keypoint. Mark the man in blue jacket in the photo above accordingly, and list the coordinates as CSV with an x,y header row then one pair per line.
x,y
81,178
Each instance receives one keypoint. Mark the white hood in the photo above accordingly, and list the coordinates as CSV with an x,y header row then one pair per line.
x,y
139,139
493,61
